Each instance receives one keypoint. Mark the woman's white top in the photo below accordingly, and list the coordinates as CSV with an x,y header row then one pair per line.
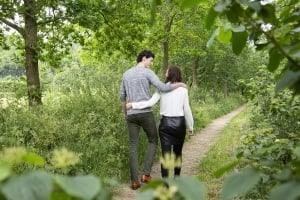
x,y
172,104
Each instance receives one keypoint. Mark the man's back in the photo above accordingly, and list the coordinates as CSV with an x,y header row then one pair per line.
x,y
136,84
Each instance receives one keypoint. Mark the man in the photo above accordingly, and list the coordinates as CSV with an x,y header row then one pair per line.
x,y
135,87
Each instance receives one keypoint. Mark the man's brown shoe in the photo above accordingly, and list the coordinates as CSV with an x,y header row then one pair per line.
x,y
135,185
146,178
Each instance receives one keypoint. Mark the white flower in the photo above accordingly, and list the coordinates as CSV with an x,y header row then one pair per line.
x,y
266,27
252,44
265,2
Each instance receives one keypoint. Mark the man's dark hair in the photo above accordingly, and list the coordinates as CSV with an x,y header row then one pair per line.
x,y
144,53
174,74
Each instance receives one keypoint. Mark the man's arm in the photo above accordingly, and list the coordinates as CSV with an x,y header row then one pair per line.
x,y
177,85
163,87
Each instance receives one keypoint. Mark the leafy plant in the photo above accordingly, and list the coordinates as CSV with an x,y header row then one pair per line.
x,y
39,184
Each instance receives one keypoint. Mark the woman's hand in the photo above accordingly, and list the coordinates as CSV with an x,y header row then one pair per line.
x,y
190,133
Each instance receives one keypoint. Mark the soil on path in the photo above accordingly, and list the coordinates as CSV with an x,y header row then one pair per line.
x,y
193,151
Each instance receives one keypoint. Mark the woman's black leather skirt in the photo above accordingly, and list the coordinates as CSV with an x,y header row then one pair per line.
x,y
172,130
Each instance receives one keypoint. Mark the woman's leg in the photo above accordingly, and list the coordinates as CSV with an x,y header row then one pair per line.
x,y
178,153
165,149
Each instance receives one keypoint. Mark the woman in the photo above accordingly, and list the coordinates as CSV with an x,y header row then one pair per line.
x,y
176,115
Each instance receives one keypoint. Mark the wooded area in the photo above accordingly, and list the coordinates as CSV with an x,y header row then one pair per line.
x,y
61,64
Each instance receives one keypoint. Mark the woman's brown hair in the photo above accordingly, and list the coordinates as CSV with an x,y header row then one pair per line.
x,y
173,75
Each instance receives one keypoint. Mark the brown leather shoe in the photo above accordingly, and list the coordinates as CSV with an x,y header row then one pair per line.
x,y
135,185
146,178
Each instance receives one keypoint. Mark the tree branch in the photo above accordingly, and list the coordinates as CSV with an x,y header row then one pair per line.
x,y
14,26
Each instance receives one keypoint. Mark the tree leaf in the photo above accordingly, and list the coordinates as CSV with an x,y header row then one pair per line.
x,y
221,6
268,13
239,41
234,13
288,79
294,51
224,36
32,186
218,173
255,5
32,158
145,195
5,171
286,191
240,28
274,60
189,3
297,152
212,38
240,183
210,19
189,187
84,187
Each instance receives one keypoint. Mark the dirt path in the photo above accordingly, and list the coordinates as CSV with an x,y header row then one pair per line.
x,y
193,151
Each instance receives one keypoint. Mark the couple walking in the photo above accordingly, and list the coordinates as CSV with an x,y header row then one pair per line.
x,y
175,113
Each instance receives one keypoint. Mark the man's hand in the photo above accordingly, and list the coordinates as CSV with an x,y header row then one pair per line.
x,y
179,84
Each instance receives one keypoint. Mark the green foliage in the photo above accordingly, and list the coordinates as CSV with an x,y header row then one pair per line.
x,y
270,27
209,104
235,184
42,185
84,116
272,139
178,188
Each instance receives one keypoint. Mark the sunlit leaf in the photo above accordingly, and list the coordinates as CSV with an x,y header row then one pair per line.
x,y
32,158
240,183
224,36
189,3
286,191
5,171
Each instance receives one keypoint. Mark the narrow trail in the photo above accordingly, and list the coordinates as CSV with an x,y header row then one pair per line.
x,y
193,151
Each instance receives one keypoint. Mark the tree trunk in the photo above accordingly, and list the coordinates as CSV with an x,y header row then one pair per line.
x,y
225,89
31,56
167,28
166,55
194,72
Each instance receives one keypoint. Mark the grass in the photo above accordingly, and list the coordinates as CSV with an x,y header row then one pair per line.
x,y
221,154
